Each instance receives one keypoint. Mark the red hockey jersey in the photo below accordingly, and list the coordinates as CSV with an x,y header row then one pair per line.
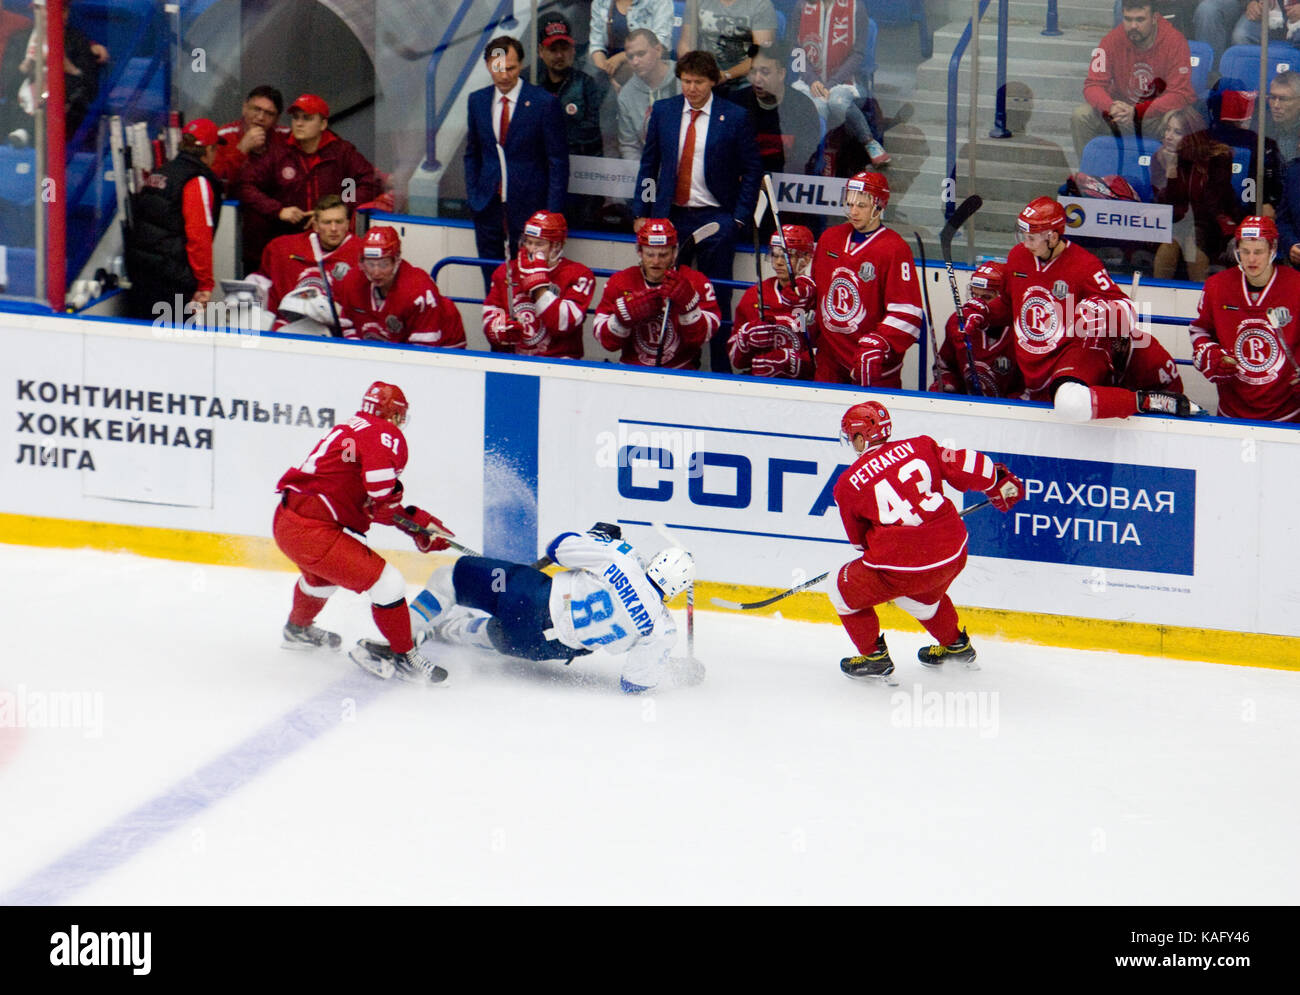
x,y
893,507
863,287
639,345
285,258
1253,333
413,311
778,311
353,468
553,323
995,361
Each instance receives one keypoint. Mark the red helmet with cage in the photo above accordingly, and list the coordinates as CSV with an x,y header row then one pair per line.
x,y
989,276
381,242
1042,214
385,400
874,184
793,238
657,233
1258,226
549,225
869,420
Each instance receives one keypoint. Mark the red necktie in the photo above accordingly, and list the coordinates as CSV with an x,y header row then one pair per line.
x,y
682,195
505,119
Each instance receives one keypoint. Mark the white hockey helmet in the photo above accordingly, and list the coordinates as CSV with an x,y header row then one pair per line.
x,y
672,570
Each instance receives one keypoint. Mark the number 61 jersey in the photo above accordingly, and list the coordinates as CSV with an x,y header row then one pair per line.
x,y
893,506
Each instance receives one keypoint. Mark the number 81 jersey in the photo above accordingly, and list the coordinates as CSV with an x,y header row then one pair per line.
x,y
892,503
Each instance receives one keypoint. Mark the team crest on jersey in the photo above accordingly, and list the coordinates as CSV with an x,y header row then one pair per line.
x,y
288,173
1279,316
339,270
1059,289
394,324
843,303
866,272
1144,81
1003,365
1038,325
1257,352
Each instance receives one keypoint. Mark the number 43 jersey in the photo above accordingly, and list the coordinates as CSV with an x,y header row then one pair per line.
x,y
603,601
893,505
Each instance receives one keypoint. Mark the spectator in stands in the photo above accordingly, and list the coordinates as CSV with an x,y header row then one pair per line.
x,y
1193,172
1233,113
329,241
785,120
1139,73
576,91
832,36
1284,114
701,164
257,127
528,123
14,31
652,79
169,245
82,59
726,30
1288,216
279,189
1283,21
612,23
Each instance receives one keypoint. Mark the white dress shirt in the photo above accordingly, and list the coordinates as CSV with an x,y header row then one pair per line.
x,y
700,194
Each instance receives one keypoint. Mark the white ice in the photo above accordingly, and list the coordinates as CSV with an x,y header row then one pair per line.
x,y
1067,777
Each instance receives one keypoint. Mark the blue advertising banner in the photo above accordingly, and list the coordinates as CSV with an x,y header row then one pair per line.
x,y
1088,513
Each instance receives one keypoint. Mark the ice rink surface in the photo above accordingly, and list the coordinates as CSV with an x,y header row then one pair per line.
x,y
158,746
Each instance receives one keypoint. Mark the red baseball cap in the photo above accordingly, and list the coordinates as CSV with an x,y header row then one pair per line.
x,y
309,103
204,132
556,30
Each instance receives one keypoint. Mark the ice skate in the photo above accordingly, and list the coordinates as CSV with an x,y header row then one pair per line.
x,y
462,626
379,659
310,637
1167,402
875,666
960,651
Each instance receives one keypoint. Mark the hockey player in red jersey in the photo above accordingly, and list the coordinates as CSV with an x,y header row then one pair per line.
x,y
388,299
987,320
349,481
551,295
1069,318
631,313
772,341
1247,330
912,538
868,293
285,258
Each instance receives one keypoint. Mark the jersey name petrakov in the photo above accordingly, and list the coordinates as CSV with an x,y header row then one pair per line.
x,y
896,454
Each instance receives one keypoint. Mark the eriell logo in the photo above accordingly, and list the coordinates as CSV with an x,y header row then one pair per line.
x,y
77,949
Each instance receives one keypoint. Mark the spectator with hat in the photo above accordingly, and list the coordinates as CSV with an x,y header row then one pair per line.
x,y
169,244
279,189
578,94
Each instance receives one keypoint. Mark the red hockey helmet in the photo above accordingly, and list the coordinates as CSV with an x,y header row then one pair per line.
x,y
381,242
657,232
549,225
874,184
1042,214
990,276
1258,226
869,420
385,400
794,238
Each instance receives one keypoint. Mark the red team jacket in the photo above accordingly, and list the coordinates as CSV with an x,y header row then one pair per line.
x,y
413,311
1043,299
893,506
639,345
555,330
1262,388
864,287
353,468
778,312
279,266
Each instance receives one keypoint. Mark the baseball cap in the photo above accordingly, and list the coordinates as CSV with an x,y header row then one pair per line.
x,y
556,30
309,103
204,132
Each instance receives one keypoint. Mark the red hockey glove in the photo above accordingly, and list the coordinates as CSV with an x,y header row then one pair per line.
x,y
678,289
638,306
784,362
1007,490
511,333
421,524
1213,363
975,317
534,272
872,350
946,384
802,293
758,337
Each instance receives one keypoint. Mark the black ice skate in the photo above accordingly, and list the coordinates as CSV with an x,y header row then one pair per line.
x,y
960,651
875,666
307,637
1167,402
379,659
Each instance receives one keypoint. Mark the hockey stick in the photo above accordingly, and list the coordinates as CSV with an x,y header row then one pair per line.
x,y
505,231
760,209
776,217
702,233
1286,347
749,605
408,525
329,294
959,217
936,367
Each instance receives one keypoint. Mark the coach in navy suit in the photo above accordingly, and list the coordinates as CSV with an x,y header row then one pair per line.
x,y
536,147
725,173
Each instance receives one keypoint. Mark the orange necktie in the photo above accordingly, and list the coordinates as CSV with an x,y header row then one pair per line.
x,y
682,195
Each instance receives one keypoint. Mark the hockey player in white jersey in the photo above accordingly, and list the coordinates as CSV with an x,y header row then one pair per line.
x,y
605,598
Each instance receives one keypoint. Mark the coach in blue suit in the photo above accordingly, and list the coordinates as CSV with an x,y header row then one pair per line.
x,y
536,146
726,173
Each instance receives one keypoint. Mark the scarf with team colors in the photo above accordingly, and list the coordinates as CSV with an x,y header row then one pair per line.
x,y
826,50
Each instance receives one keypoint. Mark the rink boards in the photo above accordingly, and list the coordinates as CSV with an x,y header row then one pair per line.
x,y
1139,534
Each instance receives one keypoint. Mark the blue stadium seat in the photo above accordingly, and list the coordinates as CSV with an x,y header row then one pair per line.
x,y
1202,61
1129,157
905,12
679,12
1241,159
17,196
1239,65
